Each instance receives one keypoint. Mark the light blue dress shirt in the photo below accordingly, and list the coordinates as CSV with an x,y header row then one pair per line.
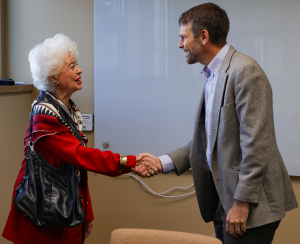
x,y
210,73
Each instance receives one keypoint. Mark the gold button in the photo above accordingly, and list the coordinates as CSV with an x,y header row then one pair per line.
x,y
87,202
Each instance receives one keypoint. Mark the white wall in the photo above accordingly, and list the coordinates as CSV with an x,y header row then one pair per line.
x,y
156,93
32,21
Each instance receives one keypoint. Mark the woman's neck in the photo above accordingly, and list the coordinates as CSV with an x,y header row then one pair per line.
x,y
64,98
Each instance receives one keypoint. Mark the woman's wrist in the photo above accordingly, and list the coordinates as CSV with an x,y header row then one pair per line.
x,y
123,162
127,162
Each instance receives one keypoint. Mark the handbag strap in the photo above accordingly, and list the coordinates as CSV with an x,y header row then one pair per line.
x,y
67,120
30,128
27,157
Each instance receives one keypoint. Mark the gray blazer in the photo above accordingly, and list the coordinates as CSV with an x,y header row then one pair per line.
x,y
245,161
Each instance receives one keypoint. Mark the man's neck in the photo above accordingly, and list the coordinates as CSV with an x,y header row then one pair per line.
x,y
210,53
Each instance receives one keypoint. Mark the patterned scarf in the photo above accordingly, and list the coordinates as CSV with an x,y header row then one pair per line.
x,y
50,116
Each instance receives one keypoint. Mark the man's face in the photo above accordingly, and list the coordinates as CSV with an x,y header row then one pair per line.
x,y
190,45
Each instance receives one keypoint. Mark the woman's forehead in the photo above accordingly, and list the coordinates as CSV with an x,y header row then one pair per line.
x,y
69,58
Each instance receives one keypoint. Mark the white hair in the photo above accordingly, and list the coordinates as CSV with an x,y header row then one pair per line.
x,y
47,59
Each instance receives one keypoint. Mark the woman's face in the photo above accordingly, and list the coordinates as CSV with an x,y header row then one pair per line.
x,y
69,77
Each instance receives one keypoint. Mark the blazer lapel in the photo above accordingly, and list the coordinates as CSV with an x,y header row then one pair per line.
x,y
218,96
199,119
197,149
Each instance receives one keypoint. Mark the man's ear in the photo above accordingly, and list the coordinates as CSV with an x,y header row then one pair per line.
x,y
203,37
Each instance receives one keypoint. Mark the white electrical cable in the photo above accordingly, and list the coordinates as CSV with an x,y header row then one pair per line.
x,y
161,194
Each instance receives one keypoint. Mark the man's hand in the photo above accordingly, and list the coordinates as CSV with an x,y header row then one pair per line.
x,y
88,228
237,218
147,165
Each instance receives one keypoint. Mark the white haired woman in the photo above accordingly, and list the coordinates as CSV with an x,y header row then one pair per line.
x,y
56,73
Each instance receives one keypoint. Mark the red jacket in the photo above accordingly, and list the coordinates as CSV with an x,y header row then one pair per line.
x,y
57,148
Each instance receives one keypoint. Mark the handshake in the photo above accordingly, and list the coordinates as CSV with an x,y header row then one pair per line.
x,y
147,165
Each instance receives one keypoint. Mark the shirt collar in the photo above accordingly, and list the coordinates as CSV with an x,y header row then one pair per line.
x,y
215,64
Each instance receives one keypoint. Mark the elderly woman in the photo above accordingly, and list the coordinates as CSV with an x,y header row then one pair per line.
x,y
56,73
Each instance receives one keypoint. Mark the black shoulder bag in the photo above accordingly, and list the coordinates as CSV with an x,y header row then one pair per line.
x,y
49,196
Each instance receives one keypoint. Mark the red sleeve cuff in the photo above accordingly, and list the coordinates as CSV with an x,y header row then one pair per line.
x,y
131,161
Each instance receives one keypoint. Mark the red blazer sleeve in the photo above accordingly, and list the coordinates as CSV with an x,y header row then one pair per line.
x,y
68,148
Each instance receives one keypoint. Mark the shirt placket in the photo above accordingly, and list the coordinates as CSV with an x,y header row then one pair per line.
x,y
209,99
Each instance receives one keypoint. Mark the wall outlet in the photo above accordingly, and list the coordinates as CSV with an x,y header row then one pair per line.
x,y
88,122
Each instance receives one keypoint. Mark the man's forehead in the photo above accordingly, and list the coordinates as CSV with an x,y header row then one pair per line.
x,y
185,29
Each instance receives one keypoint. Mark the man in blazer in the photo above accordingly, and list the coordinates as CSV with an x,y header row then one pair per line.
x,y
240,178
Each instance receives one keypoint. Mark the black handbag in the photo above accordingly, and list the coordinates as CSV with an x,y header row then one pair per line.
x,y
49,196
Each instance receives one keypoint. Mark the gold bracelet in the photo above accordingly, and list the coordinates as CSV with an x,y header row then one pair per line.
x,y
123,162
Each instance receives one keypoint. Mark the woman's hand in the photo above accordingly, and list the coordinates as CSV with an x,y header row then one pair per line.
x,y
88,228
147,165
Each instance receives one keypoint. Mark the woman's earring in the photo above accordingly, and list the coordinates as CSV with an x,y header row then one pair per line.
x,y
56,83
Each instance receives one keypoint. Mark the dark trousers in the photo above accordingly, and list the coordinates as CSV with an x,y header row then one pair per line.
x,y
259,235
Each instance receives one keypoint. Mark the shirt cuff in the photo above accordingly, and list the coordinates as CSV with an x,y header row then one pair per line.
x,y
167,164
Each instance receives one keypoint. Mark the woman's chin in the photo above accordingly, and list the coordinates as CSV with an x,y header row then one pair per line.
x,y
79,86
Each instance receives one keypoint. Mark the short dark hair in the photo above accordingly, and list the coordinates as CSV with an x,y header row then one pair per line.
x,y
208,16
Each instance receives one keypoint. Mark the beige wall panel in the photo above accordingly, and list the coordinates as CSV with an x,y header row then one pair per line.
x,y
288,231
14,110
123,202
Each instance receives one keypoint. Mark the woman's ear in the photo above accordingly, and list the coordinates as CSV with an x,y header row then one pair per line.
x,y
54,81
52,78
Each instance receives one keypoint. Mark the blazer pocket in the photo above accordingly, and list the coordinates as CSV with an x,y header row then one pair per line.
x,y
228,105
228,124
235,167
228,112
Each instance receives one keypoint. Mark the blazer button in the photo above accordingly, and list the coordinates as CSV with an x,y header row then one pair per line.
x,y
255,191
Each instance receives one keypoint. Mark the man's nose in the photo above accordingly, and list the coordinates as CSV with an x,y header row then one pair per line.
x,y
180,44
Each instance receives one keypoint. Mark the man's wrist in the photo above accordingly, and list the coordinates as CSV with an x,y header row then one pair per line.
x,y
167,164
